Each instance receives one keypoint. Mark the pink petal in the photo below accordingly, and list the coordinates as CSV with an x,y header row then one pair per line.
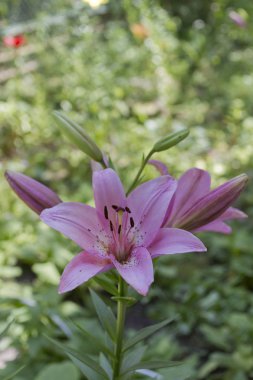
x,y
80,269
233,213
160,166
212,205
78,222
148,204
137,271
35,195
173,240
108,191
216,226
192,185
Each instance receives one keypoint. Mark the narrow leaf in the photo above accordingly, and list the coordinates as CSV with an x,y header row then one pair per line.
x,y
133,357
105,314
145,333
129,301
6,328
87,371
95,340
107,285
83,358
105,364
15,373
157,364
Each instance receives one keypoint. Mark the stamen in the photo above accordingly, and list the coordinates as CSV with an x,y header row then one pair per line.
x,y
131,222
128,210
119,229
111,226
115,207
106,212
120,209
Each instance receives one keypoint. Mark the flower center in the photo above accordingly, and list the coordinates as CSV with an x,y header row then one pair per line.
x,y
120,223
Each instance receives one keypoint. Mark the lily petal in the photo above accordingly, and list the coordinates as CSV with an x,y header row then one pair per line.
x,y
108,191
216,226
78,222
160,166
212,205
149,203
80,269
137,271
192,185
35,195
173,240
233,213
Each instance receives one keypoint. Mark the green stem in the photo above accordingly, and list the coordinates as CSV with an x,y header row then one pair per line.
x,y
121,309
139,172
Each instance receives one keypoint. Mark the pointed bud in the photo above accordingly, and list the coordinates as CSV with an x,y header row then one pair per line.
x,y
79,137
212,205
170,140
36,195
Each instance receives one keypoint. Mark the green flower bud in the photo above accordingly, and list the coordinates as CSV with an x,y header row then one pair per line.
x,y
170,140
79,137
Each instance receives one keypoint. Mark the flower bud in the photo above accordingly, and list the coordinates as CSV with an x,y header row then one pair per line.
x,y
212,205
79,137
36,195
170,140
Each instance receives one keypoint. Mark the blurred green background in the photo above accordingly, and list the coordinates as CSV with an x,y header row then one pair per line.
x,y
129,72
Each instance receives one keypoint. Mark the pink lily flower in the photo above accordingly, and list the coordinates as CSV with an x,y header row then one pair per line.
x,y
197,208
120,232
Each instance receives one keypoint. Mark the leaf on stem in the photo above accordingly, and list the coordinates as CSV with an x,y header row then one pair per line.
x,y
105,364
94,339
83,358
145,333
156,364
89,373
105,315
106,284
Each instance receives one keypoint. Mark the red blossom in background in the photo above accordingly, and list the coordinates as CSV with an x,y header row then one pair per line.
x,y
14,41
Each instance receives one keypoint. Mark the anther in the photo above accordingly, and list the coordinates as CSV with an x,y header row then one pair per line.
x,y
106,212
111,226
128,210
115,207
119,229
131,222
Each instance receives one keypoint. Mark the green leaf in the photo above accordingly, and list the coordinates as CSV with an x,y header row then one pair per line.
x,y
95,340
63,371
107,285
129,301
151,365
87,371
6,328
83,358
145,333
9,377
133,357
105,314
105,364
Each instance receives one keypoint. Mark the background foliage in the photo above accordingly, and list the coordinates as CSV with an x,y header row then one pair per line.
x,y
128,72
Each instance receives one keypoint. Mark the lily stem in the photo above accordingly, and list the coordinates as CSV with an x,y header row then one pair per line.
x,y
121,310
135,181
